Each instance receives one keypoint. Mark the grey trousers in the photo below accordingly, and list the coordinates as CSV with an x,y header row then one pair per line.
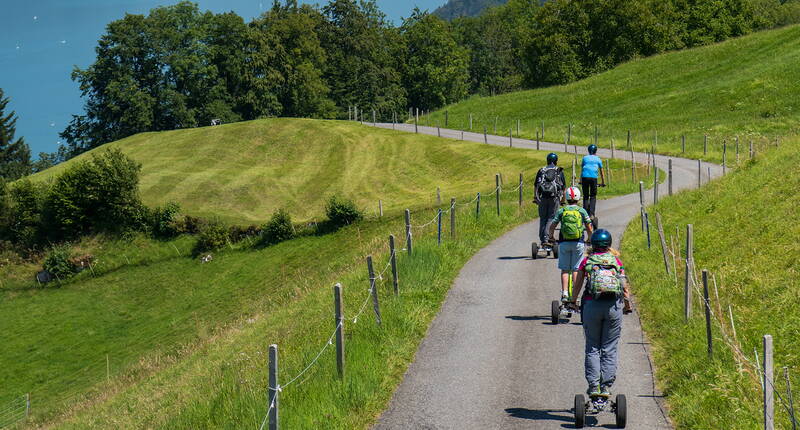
x,y
547,210
602,327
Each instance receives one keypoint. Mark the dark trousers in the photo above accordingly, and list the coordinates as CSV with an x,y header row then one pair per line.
x,y
589,186
547,210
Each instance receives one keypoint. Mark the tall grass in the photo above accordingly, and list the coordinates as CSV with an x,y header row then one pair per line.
x,y
741,240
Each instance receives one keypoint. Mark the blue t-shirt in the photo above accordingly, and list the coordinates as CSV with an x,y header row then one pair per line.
x,y
590,166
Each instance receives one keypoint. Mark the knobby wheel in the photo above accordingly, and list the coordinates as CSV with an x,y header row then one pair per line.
x,y
622,411
555,311
534,250
580,411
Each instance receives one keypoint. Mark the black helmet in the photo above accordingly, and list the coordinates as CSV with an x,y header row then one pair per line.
x,y
552,158
593,149
601,239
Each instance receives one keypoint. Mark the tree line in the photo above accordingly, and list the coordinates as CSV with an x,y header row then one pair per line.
x,y
180,67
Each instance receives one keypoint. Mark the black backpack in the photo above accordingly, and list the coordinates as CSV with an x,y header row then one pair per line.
x,y
549,184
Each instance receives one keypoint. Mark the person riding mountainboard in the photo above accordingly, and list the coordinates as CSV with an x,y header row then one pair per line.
x,y
549,191
605,299
574,221
591,168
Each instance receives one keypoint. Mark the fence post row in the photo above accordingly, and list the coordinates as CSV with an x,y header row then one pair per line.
x,y
409,239
769,386
708,315
687,287
393,257
374,290
497,191
273,387
453,218
339,321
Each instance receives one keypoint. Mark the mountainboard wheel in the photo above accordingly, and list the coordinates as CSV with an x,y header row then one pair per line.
x,y
555,251
555,311
534,250
622,411
580,411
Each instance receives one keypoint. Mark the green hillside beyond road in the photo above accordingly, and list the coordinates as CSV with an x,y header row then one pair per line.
x,y
747,87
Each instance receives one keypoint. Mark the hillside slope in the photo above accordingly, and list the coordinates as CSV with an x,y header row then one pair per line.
x,y
458,8
242,172
747,86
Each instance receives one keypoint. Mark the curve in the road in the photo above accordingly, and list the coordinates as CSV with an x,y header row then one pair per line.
x,y
492,359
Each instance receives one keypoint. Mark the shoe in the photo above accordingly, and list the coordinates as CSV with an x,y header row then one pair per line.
x,y
564,297
605,391
593,391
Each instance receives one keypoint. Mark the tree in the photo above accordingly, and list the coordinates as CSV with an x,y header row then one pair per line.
x,y
15,155
435,70
364,56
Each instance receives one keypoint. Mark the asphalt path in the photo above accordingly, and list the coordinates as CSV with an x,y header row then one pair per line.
x,y
493,360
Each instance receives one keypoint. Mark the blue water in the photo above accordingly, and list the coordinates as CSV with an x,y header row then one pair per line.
x,y
42,40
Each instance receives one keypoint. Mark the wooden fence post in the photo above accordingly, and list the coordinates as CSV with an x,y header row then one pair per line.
x,y
769,386
669,175
510,138
647,228
608,173
751,149
374,290
569,133
520,189
416,123
724,157
273,387
453,218
630,144
339,321
478,206
409,239
380,207
641,202
687,286
655,181
446,118
705,145
470,122
438,196
485,135
542,129
663,242
374,117
709,339
683,144
349,113
438,131
27,405
537,141
439,227
393,259
497,191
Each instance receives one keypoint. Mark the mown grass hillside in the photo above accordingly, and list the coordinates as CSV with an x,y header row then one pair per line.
x,y
743,239
747,87
243,172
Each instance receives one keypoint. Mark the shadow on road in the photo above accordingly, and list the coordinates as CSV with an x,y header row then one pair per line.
x,y
541,414
528,318
523,257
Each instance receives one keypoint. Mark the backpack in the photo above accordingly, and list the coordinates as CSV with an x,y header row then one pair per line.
x,y
603,271
549,182
571,223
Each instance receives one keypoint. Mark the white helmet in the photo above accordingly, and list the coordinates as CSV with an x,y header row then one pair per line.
x,y
573,194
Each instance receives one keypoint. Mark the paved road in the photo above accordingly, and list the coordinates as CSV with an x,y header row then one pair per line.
x,y
492,359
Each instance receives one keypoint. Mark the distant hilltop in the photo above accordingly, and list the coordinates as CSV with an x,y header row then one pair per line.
x,y
457,8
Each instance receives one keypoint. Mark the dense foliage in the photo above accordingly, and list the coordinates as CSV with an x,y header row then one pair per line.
x,y
279,228
15,155
341,212
179,67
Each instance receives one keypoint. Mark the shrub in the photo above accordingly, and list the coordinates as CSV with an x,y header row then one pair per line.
x,y
98,195
25,227
238,233
163,221
59,262
278,229
213,235
342,212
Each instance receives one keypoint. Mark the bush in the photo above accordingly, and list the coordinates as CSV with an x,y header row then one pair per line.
x,y
59,262
163,221
238,233
342,212
26,214
278,229
213,235
98,195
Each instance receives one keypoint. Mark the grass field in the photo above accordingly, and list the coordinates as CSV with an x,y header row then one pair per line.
x,y
150,337
753,255
242,172
746,87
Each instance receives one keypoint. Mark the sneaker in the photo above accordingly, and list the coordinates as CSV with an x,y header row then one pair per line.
x,y
605,391
593,391
564,297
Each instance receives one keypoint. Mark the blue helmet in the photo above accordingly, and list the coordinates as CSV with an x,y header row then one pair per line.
x,y
601,239
552,158
593,149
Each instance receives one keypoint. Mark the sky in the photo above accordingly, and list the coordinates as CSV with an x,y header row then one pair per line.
x,y
43,40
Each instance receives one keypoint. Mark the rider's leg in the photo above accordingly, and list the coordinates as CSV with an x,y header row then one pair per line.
x,y
585,188
592,197
566,263
593,331
612,330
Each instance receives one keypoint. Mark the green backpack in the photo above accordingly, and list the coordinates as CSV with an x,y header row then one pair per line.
x,y
603,271
571,223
